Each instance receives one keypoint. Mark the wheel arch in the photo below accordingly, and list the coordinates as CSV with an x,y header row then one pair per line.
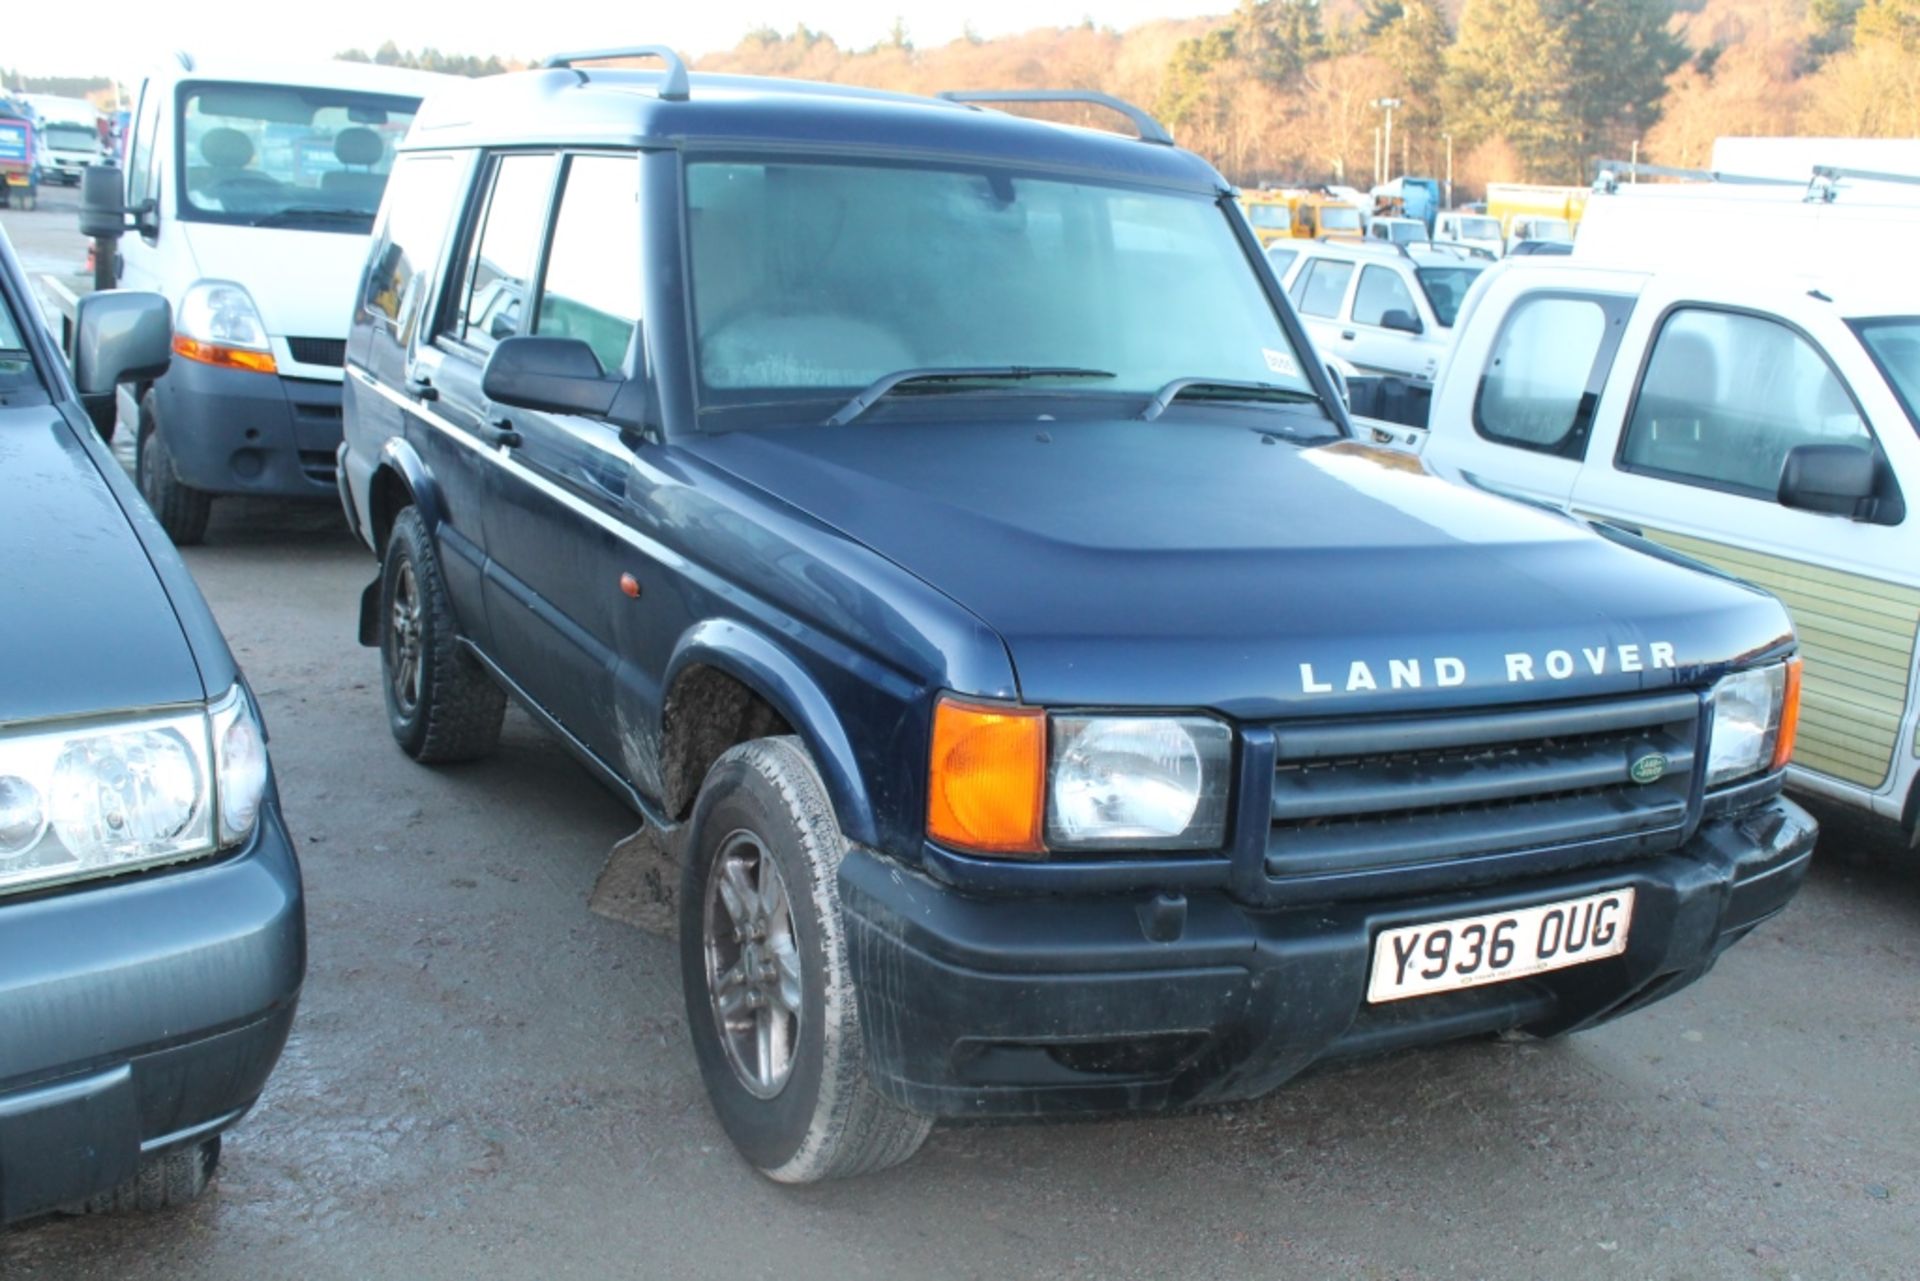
x,y
400,479
746,656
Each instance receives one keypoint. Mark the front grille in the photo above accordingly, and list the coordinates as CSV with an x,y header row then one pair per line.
x,y
317,464
331,352
1367,798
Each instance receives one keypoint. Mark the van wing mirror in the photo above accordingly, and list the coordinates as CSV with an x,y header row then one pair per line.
x,y
103,211
120,336
552,375
1838,479
1405,321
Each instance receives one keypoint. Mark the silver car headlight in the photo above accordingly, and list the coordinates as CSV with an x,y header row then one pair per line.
x,y
1749,710
101,797
1118,782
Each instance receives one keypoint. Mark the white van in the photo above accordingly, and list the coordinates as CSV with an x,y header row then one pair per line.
x,y
253,191
69,137
1482,231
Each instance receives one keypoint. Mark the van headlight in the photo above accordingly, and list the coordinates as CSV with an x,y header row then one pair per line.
x,y
217,324
1755,714
1017,782
98,798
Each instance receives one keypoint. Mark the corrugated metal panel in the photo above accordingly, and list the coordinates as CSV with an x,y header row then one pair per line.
x,y
1857,635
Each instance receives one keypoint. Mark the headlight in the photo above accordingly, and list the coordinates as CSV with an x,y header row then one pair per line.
x,y
216,323
1012,781
96,799
1152,781
1754,717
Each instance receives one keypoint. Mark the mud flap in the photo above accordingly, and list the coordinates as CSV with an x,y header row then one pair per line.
x,y
370,614
640,885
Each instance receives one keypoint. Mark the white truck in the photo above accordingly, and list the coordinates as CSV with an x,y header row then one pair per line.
x,y
69,137
1764,425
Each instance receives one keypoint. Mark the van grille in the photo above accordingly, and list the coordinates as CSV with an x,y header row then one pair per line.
x,y
331,352
1372,798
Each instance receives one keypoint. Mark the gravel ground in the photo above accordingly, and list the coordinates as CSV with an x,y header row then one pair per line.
x,y
488,1080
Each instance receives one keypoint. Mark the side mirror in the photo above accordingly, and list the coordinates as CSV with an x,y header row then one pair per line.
x,y
120,336
103,212
553,375
1405,321
1836,479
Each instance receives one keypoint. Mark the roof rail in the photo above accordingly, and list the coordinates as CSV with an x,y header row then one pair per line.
x,y
1150,130
673,88
1824,186
1607,174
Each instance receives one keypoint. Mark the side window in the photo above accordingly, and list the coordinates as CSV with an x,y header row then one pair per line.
x,y
1726,396
419,205
140,148
592,285
1545,373
1322,287
1381,291
503,253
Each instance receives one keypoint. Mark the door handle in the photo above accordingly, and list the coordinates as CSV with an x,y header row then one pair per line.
x,y
1347,334
420,387
500,432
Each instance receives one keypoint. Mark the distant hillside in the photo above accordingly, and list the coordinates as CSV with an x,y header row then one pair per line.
x,y
1283,89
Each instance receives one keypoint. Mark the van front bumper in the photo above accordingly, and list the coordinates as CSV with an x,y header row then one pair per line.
x,y
233,431
976,1007
141,1014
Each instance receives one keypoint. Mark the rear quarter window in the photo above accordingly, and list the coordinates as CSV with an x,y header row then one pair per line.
x,y
407,244
1546,370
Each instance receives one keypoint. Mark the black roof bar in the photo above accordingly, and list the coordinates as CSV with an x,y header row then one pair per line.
x,y
1834,172
673,88
1150,130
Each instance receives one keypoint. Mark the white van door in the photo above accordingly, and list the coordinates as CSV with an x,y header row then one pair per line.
x,y
140,251
1695,464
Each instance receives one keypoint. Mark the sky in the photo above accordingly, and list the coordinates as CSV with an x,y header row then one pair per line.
x,y
121,37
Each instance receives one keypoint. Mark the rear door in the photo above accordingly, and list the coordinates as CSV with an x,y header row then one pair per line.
x,y
556,534
454,430
1695,463
1320,290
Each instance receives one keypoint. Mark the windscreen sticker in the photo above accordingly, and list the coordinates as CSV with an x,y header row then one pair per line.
x,y
1281,363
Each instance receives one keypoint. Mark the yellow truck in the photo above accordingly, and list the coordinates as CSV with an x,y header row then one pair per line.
x,y
1270,213
1528,211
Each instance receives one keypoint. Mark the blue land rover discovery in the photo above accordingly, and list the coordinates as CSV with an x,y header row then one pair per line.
x,y
938,526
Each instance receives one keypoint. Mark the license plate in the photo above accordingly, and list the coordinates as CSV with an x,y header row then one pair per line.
x,y
1444,956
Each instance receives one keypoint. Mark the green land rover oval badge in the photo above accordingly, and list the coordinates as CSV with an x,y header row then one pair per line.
x,y
1648,768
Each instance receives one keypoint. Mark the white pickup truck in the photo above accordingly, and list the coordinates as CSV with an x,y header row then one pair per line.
x,y
1768,429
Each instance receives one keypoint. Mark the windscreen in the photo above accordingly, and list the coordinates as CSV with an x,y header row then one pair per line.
x,y
286,155
1555,230
1446,288
1480,228
71,137
1894,342
1270,217
815,276
1339,218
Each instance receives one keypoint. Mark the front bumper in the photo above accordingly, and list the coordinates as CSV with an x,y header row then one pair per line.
x,y
140,1015
233,431
1047,1006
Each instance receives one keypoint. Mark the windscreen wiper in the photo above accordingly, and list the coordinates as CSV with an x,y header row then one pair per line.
x,y
1224,389
884,384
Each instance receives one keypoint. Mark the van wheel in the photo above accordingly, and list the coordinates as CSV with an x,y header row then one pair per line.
x,y
161,1182
441,704
763,963
181,509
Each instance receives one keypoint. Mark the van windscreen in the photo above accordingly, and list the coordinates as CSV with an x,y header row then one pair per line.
x,y
305,157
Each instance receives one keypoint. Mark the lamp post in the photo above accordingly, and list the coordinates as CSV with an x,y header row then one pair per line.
x,y
1449,138
1387,105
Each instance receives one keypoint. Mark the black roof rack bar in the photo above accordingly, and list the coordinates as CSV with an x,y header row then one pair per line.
x,y
1150,130
1614,169
1833,172
674,88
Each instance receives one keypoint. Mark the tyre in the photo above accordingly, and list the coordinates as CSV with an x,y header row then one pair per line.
x,y
181,509
763,963
441,704
161,1182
